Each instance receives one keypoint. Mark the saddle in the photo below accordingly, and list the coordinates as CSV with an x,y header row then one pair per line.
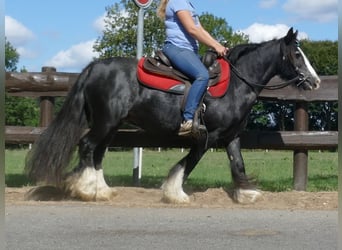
x,y
157,72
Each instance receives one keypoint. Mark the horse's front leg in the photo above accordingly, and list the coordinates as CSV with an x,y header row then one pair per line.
x,y
173,185
244,190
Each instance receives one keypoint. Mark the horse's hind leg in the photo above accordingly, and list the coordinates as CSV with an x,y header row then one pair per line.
x,y
173,185
87,182
103,191
244,190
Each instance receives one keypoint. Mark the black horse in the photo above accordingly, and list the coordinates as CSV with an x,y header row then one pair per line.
x,y
107,93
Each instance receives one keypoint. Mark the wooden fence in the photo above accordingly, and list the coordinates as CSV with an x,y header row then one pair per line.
x,y
48,84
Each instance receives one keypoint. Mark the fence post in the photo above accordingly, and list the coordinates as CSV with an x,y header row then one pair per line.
x,y
46,104
300,156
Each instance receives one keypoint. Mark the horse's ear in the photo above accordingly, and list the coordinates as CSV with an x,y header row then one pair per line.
x,y
291,36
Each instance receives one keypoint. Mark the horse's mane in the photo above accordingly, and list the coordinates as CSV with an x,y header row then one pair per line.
x,y
242,49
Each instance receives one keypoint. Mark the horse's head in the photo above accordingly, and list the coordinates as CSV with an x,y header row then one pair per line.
x,y
296,64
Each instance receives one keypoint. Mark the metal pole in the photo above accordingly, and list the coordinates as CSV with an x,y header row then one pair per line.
x,y
140,33
137,152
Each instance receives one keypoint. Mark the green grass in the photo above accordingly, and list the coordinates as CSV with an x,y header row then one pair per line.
x,y
273,170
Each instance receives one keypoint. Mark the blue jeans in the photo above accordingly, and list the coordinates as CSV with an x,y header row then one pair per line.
x,y
189,63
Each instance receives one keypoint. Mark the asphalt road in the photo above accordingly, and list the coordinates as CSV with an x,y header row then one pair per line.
x,y
85,226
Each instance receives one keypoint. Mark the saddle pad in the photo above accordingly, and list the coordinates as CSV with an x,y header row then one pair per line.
x,y
171,85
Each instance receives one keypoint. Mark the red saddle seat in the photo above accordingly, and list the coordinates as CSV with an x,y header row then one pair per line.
x,y
157,80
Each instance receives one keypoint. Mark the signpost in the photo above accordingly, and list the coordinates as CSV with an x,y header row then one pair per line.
x,y
142,4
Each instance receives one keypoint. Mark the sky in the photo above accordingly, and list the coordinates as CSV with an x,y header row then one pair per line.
x,y
62,33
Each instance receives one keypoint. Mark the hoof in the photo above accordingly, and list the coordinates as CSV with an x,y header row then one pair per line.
x,y
173,190
78,194
106,194
82,185
246,196
180,199
174,196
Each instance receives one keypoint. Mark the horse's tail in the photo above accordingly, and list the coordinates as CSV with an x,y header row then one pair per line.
x,y
53,150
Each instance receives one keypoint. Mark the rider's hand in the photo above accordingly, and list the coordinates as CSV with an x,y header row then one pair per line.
x,y
221,50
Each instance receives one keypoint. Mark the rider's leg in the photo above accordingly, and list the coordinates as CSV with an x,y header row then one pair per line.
x,y
190,64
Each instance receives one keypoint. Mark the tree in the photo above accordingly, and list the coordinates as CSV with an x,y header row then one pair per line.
x,y
11,57
19,111
322,55
221,31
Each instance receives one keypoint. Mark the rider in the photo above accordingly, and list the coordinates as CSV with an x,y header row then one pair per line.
x,y
183,33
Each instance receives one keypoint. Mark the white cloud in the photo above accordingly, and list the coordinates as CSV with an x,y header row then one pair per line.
x,y
74,58
266,4
317,10
16,33
99,23
258,32
20,37
27,53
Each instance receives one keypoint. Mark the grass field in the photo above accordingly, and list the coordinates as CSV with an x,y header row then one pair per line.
x,y
273,169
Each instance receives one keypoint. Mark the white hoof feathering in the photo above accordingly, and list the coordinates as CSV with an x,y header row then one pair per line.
x,y
82,185
246,196
173,190
89,185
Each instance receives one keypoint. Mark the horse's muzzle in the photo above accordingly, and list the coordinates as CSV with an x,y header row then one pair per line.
x,y
317,83
310,84
314,82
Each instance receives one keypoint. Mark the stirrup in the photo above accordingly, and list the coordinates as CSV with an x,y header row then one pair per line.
x,y
198,130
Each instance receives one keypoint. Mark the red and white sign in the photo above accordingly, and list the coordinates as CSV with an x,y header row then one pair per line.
x,y
143,3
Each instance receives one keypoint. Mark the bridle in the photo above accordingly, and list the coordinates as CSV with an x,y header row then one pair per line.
x,y
300,78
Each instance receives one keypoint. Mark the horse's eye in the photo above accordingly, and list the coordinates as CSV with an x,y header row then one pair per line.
x,y
298,54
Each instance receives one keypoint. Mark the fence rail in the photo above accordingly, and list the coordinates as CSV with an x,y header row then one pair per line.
x,y
48,84
51,83
285,140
